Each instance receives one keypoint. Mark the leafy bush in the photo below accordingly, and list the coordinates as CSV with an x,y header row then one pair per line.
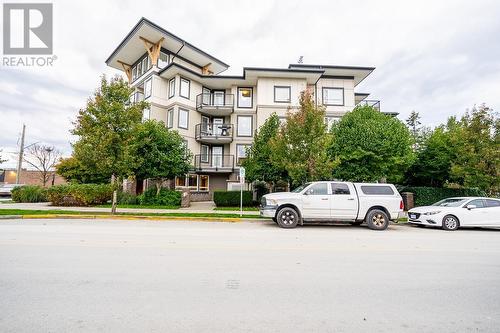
x,y
232,198
125,198
424,195
166,197
80,194
261,188
29,193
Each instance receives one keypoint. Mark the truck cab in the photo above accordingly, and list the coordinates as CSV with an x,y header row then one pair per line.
x,y
329,201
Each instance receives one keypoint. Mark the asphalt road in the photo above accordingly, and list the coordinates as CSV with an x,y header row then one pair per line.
x,y
133,276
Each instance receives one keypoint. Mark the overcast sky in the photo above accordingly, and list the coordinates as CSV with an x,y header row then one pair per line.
x,y
436,57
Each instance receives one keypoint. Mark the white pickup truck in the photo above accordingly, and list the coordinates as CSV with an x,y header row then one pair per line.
x,y
375,204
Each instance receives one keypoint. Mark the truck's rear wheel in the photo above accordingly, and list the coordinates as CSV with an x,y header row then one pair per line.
x,y
377,219
287,218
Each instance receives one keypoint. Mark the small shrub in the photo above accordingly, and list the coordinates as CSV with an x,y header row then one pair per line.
x,y
232,198
260,188
29,193
125,198
166,197
80,194
424,195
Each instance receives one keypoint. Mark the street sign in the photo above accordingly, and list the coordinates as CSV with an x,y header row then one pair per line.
x,y
242,175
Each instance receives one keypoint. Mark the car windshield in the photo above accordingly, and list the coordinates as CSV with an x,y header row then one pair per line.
x,y
453,202
300,188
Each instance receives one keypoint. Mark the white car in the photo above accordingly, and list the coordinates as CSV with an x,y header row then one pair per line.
x,y
452,213
6,189
375,204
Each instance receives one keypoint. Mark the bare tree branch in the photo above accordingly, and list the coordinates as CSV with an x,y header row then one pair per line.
x,y
43,159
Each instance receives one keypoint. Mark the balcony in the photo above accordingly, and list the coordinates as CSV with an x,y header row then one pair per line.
x,y
215,104
373,103
214,133
214,163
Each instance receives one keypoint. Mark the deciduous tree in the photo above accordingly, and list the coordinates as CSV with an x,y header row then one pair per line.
x,y
105,128
370,146
300,147
43,158
258,164
160,153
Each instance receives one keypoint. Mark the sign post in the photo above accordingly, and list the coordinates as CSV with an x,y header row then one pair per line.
x,y
242,183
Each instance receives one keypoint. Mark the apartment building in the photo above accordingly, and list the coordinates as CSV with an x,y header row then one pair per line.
x,y
218,114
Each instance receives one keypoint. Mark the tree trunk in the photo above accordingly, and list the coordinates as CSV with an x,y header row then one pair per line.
x,y
158,187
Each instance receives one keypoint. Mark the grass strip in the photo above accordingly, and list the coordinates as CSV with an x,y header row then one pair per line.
x,y
245,209
69,212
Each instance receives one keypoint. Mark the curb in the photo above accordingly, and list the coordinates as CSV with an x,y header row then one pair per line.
x,y
133,217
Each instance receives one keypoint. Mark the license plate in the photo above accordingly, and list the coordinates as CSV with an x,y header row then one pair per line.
x,y
413,216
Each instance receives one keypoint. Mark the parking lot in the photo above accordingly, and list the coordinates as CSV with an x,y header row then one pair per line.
x,y
91,275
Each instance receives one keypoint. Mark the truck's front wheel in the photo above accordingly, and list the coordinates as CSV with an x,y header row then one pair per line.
x,y
377,219
287,218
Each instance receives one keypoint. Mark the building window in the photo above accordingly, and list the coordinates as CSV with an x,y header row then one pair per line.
x,y
333,96
145,64
204,153
148,88
170,118
180,181
204,183
184,89
282,94
192,182
245,97
241,153
163,60
244,125
183,118
329,121
134,73
171,88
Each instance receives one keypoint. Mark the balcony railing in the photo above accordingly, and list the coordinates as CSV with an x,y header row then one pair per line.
x,y
373,103
214,163
214,132
215,103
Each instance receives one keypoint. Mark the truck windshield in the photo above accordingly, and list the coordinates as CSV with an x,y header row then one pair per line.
x,y
300,188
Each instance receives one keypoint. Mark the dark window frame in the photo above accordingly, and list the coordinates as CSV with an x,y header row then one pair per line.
x,y
336,88
189,88
289,94
238,126
179,118
238,98
171,93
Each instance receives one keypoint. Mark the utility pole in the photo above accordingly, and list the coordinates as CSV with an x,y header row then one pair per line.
x,y
21,152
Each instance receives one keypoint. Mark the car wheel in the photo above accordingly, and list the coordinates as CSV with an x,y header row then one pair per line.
x,y
450,223
287,218
356,223
377,219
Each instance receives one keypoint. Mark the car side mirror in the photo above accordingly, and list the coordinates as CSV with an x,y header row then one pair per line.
x,y
469,207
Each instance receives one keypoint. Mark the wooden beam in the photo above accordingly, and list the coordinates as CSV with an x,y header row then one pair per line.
x,y
127,69
152,48
205,70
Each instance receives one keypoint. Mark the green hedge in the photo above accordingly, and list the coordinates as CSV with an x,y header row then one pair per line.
x,y
424,195
232,198
29,193
80,194
166,197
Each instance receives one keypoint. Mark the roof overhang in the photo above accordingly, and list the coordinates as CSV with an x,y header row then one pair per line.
x,y
358,97
249,77
132,47
358,73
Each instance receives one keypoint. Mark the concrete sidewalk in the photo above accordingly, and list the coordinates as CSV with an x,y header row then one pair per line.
x,y
205,207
